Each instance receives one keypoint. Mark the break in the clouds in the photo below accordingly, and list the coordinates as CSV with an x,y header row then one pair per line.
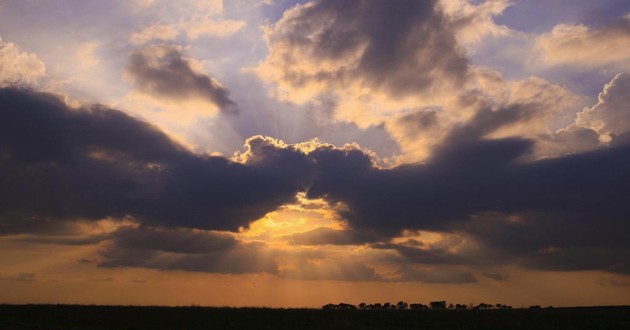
x,y
164,73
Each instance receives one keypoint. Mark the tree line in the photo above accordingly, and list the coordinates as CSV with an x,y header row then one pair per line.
x,y
434,305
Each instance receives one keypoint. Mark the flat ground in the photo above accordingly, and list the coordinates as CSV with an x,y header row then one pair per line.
x,y
126,317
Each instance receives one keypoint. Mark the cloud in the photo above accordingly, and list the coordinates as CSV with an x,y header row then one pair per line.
x,y
178,241
574,200
405,70
209,27
568,140
211,253
164,73
610,117
585,46
375,52
577,258
157,32
194,19
601,125
67,240
192,30
59,163
18,67
472,22
496,276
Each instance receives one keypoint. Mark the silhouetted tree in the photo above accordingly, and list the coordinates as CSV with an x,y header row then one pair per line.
x,y
346,306
362,305
402,305
483,306
438,304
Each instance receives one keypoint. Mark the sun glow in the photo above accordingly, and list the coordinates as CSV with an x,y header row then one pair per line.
x,y
302,216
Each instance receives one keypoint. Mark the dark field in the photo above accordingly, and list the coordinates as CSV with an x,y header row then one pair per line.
x,y
120,317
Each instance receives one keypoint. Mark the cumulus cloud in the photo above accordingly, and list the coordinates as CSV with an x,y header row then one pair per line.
x,y
18,67
163,72
401,66
375,51
473,22
585,46
610,117
470,176
569,140
60,163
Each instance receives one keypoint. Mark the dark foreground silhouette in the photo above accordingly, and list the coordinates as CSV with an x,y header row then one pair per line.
x,y
128,317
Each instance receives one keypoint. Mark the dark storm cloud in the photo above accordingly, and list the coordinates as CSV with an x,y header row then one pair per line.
x,y
476,186
67,240
242,259
183,249
164,72
495,276
179,241
424,255
401,47
58,163
468,175
580,258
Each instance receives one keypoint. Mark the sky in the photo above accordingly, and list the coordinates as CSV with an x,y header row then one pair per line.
x,y
291,154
